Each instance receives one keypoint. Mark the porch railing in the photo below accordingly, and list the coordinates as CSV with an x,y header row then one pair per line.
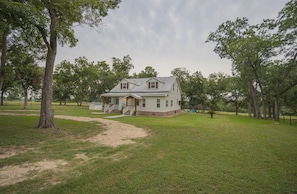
x,y
132,111
127,109
110,108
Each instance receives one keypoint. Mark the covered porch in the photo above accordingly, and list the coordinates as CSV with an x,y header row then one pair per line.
x,y
126,104
132,104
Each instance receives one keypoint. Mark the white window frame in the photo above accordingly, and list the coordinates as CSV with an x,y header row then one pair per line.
x,y
153,85
124,85
158,103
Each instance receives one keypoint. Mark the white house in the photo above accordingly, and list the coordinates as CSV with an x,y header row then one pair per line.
x,y
145,96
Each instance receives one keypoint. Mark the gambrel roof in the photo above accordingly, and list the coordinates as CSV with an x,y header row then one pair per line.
x,y
140,87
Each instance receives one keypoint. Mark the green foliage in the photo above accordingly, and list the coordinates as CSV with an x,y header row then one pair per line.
x,y
196,90
85,81
121,68
216,90
53,23
63,82
290,100
146,73
287,28
252,50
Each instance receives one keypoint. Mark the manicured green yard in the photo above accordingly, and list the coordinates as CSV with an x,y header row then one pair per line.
x,y
188,153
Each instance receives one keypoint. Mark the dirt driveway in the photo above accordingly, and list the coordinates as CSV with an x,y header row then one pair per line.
x,y
116,134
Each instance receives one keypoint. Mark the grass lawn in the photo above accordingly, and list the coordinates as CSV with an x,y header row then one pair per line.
x,y
188,153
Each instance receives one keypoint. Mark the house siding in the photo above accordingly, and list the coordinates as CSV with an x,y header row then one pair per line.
x,y
151,104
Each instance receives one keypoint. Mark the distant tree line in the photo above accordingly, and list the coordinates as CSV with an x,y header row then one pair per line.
x,y
84,81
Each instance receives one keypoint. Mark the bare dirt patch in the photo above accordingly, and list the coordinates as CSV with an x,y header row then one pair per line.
x,y
11,151
13,174
116,133
82,156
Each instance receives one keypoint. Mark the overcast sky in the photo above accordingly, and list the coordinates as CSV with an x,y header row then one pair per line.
x,y
166,34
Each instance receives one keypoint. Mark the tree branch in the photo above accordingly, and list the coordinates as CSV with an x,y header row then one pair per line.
x,y
43,34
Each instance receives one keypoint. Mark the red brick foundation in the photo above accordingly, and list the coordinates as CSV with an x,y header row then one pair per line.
x,y
169,113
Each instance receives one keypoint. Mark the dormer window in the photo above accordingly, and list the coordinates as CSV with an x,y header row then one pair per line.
x,y
153,84
124,85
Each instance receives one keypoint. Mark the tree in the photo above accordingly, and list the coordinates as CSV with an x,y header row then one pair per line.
x,y
282,77
17,29
85,80
287,30
249,47
235,91
146,73
290,100
106,78
28,73
215,90
63,81
4,34
8,83
54,21
286,23
121,68
195,90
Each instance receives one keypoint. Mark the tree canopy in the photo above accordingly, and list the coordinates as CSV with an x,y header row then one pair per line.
x,y
53,23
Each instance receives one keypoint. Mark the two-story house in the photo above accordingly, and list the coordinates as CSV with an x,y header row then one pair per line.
x,y
145,96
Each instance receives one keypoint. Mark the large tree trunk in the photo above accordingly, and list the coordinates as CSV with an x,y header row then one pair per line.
x,y
263,103
46,119
263,100
25,99
276,103
2,98
3,57
236,106
269,112
276,109
250,107
255,102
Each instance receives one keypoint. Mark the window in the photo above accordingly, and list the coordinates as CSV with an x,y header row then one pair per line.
x,y
166,103
173,87
158,103
143,102
171,103
124,85
152,84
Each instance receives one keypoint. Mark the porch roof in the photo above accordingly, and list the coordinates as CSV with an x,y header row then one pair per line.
x,y
134,96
